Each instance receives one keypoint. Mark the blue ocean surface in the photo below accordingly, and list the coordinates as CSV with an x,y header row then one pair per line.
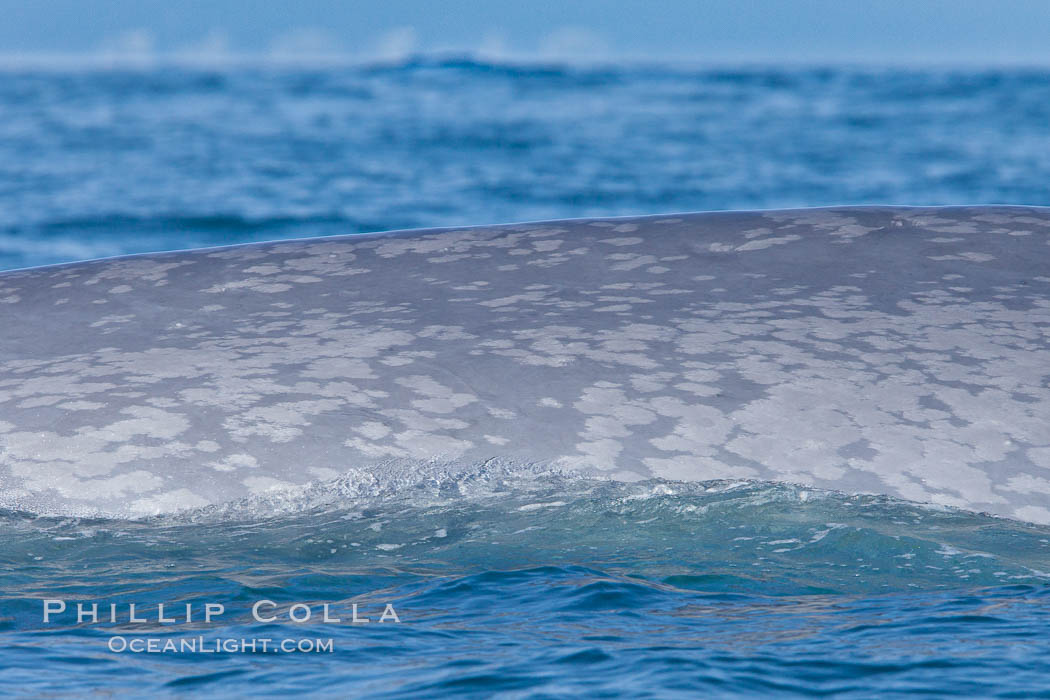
x,y
103,162
534,585
506,580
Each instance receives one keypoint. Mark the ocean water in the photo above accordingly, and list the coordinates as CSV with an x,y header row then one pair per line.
x,y
533,584
507,579
103,162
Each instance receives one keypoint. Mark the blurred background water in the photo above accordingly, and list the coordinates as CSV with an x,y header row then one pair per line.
x,y
99,162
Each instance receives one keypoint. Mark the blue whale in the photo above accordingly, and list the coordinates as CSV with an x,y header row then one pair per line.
x,y
897,351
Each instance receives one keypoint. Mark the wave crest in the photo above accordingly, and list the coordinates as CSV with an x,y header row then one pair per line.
x,y
753,537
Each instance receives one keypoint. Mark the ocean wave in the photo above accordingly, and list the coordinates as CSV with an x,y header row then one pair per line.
x,y
759,537
508,578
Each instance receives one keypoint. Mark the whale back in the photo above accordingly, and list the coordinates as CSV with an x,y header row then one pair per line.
x,y
898,351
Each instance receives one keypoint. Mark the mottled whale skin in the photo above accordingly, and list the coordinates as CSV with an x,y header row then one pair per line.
x,y
900,351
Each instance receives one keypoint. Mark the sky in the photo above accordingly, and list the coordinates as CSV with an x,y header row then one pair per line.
x,y
866,31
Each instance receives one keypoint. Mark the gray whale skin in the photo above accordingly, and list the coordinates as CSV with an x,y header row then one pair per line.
x,y
898,351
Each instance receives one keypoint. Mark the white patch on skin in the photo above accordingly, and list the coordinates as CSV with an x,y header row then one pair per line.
x,y
969,256
629,261
439,398
1040,456
420,445
39,458
694,468
1026,483
167,502
444,333
373,430
699,431
610,415
142,269
1033,514
111,319
759,244
251,284
81,405
56,476
500,413
371,449
280,422
263,484
647,383
234,462
147,421
339,368
515,299
804,440
595,454
835,224
39,401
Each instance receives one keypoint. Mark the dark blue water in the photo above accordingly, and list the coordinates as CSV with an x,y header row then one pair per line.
x,y
525,584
